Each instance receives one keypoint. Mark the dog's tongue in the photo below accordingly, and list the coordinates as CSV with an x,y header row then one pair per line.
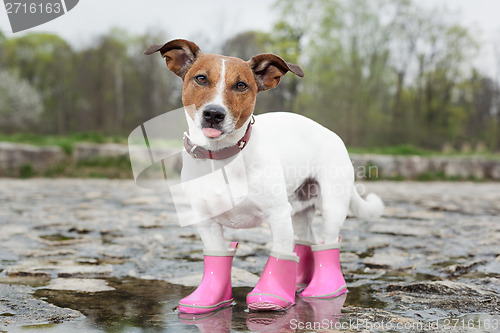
x,y
211,132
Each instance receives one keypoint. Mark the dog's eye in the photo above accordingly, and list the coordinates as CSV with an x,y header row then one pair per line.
x,y
241,86
201,79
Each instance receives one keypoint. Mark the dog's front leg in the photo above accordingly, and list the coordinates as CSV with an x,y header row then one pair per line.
x,y
280,223
211,235
215,289
276,287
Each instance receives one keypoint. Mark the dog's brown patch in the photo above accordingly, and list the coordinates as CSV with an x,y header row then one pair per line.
x,y
239,103
196,94
308,190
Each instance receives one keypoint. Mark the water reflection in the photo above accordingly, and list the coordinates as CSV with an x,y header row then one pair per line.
x,y
307,312
320,313
151,305
214,322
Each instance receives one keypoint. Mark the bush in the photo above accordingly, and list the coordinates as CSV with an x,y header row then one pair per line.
x,y
20,103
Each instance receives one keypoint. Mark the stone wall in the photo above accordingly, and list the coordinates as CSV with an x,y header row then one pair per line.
x,y
418,167
14,156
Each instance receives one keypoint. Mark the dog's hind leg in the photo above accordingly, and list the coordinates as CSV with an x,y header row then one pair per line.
x,y
327,280
334,216
302,226
304,238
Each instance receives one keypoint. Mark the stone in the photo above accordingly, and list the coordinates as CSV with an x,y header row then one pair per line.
x,y
412,167
146,200
386,259
13,156
430,231
446,288
49,253
28,270
81,285
399,229
93,195
348,257
7,231
85,271
18,300
88,151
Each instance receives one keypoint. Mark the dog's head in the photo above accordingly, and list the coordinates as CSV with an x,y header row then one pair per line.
x,y
221,89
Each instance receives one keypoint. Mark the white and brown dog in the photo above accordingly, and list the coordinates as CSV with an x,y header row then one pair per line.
x,y
293,167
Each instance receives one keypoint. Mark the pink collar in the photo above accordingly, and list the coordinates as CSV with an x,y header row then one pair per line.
x,y
202,153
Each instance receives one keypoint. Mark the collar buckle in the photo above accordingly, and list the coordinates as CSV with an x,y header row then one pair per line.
x,y
197,153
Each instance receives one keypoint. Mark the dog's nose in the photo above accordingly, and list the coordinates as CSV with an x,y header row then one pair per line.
x,y
214,114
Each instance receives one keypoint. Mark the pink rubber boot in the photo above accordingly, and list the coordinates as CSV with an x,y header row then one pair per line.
x,y
276,287
214,290
305,268
327,280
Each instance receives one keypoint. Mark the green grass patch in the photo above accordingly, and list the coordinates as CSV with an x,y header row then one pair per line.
x,y
109,168
26,171
402,150
434,176
66,142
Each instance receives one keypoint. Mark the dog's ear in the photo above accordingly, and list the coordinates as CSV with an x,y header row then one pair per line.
x,y
179,54
269,68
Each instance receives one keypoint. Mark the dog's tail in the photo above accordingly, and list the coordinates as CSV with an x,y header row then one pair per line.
x,y
370,207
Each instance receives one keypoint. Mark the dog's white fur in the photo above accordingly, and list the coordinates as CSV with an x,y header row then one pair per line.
x,y
283,151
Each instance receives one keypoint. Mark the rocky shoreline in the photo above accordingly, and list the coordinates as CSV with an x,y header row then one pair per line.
x,y
81,253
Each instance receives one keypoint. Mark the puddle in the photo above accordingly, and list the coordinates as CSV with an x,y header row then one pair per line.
x,y
57,238
134,303
138,305
362,296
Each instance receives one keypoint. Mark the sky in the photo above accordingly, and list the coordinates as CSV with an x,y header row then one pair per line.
x,y
220,19
179,19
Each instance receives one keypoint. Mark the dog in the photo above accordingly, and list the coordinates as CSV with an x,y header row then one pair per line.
x,y
292,167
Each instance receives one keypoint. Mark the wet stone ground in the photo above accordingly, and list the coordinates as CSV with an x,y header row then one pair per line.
x,y
100,255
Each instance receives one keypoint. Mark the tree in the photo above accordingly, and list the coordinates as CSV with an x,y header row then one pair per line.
x,y
20,104
250,43
381,71
2,45
44,60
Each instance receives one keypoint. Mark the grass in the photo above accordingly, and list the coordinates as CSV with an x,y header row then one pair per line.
x,y
109,168
401,150
410,150
66,143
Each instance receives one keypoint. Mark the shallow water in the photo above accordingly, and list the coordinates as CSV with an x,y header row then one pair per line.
x,y
150,305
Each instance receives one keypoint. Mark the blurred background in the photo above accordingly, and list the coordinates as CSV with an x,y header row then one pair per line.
x,y
418,75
